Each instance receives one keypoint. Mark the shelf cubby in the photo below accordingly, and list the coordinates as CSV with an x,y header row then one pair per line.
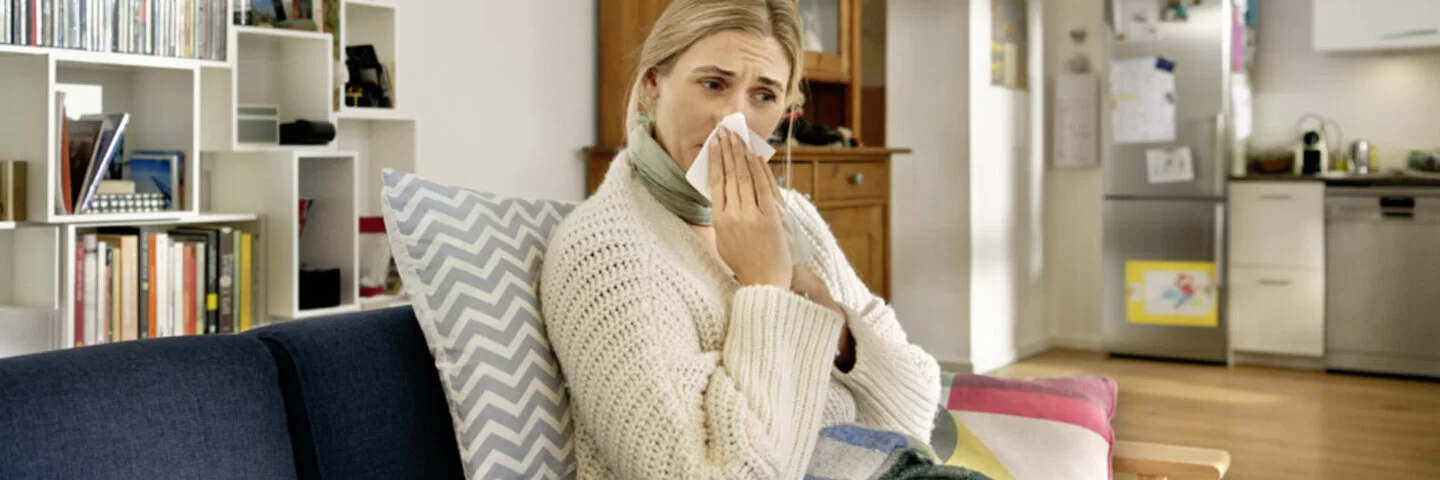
x,y
29,282
288,69
162,117
159,119
26,119
379,144
371,22
272,183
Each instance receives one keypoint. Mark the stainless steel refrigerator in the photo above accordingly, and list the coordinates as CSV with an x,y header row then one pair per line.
x,y
1148,222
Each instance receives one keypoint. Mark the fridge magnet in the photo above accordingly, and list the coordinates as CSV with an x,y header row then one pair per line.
x,y
1171,293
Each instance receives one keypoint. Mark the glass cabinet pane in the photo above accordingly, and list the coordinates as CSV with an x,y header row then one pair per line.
x,y
821,21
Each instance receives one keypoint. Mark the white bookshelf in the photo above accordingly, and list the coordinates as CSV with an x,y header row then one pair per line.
x,y
189,105
272,184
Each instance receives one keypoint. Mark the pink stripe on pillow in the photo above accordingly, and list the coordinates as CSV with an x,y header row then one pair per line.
x,y
1043,406
1099,391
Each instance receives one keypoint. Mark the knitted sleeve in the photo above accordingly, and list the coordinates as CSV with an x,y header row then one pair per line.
x,y
896,384
655,403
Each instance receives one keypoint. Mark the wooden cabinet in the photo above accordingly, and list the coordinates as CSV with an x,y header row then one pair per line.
x,y
829,35
850,186
1368,25
1276,301
860,232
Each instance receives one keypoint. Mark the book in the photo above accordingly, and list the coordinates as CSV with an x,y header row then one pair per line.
x,y
112,131
162,172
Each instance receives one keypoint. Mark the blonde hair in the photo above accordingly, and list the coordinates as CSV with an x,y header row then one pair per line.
x,y
685,22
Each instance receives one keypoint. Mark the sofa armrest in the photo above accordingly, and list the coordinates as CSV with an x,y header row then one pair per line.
x,y
1157,460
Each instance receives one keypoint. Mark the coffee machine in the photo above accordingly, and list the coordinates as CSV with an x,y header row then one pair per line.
x,y
1311,155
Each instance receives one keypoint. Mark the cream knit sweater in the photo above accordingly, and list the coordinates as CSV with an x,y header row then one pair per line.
x,y
676,371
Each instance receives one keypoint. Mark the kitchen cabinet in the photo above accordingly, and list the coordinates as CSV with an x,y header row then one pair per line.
x,y
1277,224
1369,25
1277,311
1276,267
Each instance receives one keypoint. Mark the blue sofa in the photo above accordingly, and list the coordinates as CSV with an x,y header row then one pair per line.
x,y
353,396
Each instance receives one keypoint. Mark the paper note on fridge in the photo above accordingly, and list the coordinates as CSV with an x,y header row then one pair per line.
x,y
1142,92
1169,166
699,172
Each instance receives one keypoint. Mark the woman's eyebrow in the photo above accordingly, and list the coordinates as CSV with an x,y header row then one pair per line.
x,y
714,70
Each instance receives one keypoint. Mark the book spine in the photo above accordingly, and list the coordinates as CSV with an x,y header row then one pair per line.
x,y
77,328
112,297
199,286
247,280
92,288
212,282
189,273
142,279
227,272
235,278
177,288
102,293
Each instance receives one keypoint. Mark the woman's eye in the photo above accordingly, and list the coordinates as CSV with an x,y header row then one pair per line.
x,y
711,85
765,96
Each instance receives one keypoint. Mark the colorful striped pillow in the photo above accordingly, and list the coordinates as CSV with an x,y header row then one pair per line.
x,y
1022,429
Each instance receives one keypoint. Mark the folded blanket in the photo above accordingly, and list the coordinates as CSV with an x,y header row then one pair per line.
x,y
853,452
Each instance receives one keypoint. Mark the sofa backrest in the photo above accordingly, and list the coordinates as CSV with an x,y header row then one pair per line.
x,y
193,407
364,397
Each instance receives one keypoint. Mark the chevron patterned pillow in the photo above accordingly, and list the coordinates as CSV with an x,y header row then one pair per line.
x,y
470,262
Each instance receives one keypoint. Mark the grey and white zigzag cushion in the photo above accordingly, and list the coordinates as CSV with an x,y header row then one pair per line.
x,y
470,262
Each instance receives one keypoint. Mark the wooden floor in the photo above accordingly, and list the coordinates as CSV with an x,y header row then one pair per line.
x,y
1276,424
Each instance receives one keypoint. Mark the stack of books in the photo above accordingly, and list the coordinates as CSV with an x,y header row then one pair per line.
x,y
168,28
136,283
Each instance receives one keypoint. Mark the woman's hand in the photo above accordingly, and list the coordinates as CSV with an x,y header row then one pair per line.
x,y
810,285
749,228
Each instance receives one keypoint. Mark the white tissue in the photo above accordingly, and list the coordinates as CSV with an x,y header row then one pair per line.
x,y
699,173
699,177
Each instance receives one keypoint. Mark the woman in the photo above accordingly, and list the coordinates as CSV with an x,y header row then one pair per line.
x,y
693,344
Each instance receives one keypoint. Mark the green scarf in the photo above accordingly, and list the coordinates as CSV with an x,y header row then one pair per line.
x,y
663,177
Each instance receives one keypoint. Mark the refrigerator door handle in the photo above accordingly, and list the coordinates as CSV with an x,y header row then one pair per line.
x,y
1219,243
1220,163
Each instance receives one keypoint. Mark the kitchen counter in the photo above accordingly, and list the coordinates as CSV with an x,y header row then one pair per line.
x,y
1378,180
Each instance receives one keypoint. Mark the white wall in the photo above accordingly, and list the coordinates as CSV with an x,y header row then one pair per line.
x,y
930,226
1390,99
967,257
1005,199
1073,197
511,108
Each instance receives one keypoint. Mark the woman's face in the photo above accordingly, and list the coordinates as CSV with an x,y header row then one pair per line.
x,y
726,72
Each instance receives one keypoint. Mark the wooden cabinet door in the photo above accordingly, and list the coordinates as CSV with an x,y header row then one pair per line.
x,y
827,29
860,232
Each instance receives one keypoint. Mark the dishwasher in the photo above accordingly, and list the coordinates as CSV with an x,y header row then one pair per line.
x,y
1382,280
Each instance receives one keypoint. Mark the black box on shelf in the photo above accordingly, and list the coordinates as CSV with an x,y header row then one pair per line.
x,y
319,288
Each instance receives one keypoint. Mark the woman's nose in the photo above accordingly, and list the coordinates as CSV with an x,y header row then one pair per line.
x,y
732,103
